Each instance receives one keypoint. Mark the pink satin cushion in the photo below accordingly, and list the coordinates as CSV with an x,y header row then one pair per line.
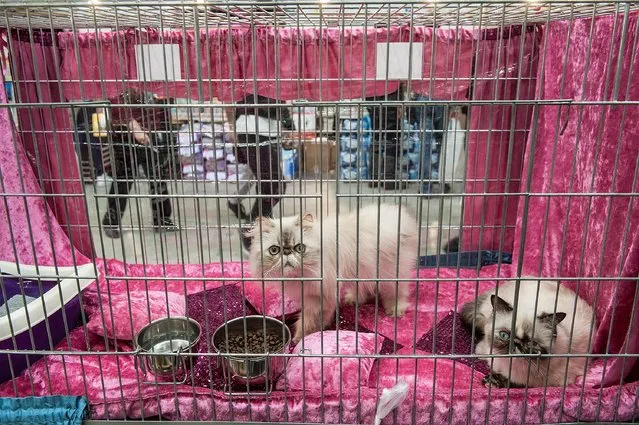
x,y
126,314
306,372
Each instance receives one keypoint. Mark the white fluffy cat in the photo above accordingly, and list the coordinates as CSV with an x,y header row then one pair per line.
x,y
553,330
301,246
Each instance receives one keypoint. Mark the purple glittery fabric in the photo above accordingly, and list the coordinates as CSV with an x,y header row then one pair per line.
x,y
442,335
210,315
347,323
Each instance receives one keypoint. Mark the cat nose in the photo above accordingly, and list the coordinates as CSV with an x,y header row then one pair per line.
x,y
287,251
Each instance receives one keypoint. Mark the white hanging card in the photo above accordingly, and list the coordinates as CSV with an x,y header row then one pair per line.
x,y
158,62
398,59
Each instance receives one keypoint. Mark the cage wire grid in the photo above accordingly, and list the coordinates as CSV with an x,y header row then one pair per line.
x,y
177,14
209,227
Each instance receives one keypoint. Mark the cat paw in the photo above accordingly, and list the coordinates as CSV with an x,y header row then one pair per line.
x,y
300,333
397,310
494,380
350,297
298,337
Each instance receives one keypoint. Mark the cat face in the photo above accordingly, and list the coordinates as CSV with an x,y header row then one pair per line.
x,y
523,339
283,251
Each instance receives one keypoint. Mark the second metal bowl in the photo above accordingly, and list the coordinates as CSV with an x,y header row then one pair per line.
x,y
253,369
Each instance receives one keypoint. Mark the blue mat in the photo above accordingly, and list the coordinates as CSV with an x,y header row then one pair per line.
x,y
466,259
54,410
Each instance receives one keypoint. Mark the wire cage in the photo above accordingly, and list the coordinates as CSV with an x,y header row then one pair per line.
x,y
321,211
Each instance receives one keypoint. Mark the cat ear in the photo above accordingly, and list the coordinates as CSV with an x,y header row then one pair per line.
x,y
499,304
306,221
262,224
547,319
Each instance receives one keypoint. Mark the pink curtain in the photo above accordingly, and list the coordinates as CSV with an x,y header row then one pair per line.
x,y
29,231
47,133
85,76
506,68
335,64
285,63
595,155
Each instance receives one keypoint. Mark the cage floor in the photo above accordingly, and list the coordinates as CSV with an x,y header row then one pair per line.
x,y
210,232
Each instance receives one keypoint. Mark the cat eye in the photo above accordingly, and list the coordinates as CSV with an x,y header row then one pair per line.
x,y
504,335
300,248
274,250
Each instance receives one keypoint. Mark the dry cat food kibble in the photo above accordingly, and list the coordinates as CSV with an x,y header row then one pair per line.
x,y
254,343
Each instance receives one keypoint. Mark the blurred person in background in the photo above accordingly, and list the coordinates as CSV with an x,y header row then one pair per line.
x,y
139,139
259,133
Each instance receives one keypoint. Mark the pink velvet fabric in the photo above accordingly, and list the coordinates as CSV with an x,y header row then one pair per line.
x,y
209,58
233,62
506,69
122,316
595,153
29,231
270,299
122,277
442,389
317,374
47,134
437,375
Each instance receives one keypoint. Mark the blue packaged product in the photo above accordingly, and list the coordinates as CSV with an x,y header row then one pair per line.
x,y
353,173
413,158
347,159
349,142
290,164
355,142
350,124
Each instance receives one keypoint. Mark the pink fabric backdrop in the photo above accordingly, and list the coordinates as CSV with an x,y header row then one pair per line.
x,y
506,70
582,235
330,64
24,212
47,134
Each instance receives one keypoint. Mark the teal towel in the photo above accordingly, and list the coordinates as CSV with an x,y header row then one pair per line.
x,y
54,410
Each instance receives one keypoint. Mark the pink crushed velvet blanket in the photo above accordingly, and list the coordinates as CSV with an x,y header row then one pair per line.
x,y
441,390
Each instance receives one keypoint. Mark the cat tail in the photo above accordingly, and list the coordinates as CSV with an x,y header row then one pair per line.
x,y
449,238
432,235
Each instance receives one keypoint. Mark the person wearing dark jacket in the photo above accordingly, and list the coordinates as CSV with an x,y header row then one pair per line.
x,y
258,141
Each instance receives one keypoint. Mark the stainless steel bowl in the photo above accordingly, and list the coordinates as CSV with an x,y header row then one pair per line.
x,y
161,343
254,369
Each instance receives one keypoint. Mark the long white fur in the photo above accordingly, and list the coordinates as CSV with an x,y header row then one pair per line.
x,y
583,329
340,245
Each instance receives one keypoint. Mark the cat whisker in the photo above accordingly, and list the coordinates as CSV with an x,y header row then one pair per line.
x,y
272,269
538,362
